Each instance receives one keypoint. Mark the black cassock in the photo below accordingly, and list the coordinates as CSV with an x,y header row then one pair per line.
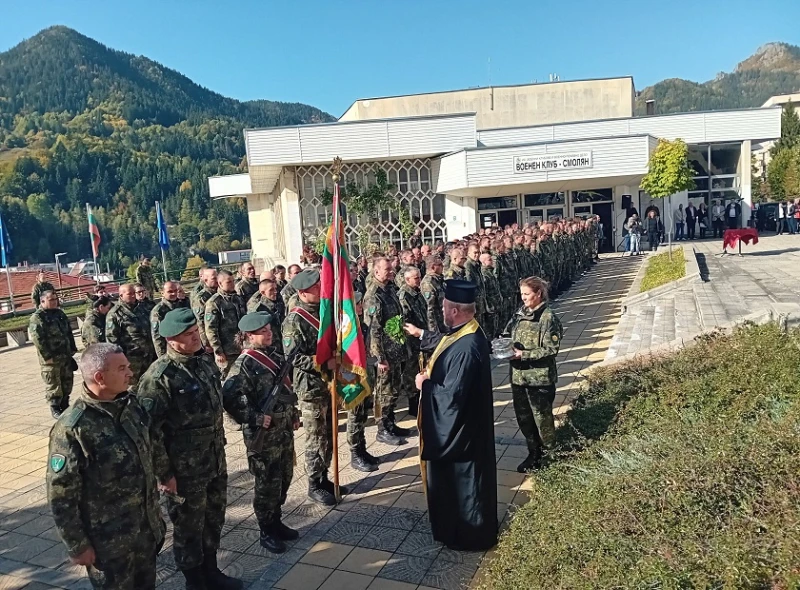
x,y
457,421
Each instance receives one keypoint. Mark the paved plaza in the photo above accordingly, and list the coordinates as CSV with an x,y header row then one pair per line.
x,y
377,538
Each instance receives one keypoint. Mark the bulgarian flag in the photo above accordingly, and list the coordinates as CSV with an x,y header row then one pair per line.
x,y
94,231
340,334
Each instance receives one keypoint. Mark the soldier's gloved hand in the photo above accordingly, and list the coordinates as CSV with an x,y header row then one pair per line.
x,y
86,558
170,486
266,421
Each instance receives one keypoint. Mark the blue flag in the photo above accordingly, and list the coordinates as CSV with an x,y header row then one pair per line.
x,y
163,236
5,244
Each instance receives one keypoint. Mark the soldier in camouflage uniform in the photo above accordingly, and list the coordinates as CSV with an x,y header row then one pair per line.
x,y
432,289
382,305
204,291
169,301
474,274
247,285
40,287
181,392
55,345
266,299
145,276
101,486
300,331
456,268
406,262
509,283
128,327
288,291
360,458
536,333
494,299
415,311
223,312
144,299
93,329
250,379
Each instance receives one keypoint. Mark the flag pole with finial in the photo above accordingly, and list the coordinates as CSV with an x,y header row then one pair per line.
x,y
337,319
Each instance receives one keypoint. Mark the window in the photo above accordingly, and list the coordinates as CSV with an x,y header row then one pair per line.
x,y
696,198
725,159
497,203
698,158
544,199
593,196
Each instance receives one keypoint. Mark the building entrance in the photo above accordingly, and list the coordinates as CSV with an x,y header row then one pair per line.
x,y
544,207
500,211
597,202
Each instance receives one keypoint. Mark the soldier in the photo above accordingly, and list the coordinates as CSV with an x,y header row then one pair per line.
x,y
536,333
129,328
101,485
357,279
144,299
55,345
300,331
406,261
473,273
494,298
389,351
360,458
145,277
208,287
250,379
183,300
288,290
415,312
456,269
40,287
432,289
247,285
223,312
181,392
279,274
266,299
507,279
169,301
94,324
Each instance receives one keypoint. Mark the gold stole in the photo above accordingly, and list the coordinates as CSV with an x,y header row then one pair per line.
x,y
470,327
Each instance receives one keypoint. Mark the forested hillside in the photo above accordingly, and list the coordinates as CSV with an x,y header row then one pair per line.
x,y
81,123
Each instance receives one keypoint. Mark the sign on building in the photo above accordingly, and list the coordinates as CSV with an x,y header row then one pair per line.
x,y
552,162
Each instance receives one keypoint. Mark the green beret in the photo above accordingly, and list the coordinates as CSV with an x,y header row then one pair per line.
x,y
176,322
252,322
305,279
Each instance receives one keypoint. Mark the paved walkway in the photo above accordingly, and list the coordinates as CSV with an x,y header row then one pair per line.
x,y
378,538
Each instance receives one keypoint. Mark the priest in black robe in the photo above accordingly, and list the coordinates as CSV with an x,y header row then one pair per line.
x,y
456,421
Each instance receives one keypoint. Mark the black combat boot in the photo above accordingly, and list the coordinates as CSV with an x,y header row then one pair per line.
x,y
319,494
216,579
282,531
413,405
359,462
195,579
328,485
64,403
371,459
55,410
531,463
385,435
396,430
270,540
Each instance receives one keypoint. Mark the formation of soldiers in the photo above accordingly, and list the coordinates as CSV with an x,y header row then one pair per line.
x,y
175,367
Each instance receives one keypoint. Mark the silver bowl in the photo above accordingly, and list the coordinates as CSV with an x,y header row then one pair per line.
x,y
502,348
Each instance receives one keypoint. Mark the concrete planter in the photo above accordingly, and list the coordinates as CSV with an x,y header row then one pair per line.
x,y
17,338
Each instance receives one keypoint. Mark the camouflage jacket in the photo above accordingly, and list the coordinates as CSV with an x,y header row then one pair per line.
x,y
243,392
415,311
537,332
456,272
286,294
299,333
506,273
94,327
182,395
380,305
472,273
146,278
432,289
400,277
147,306
276,310
52,336
38,289
198,303
223,312
161,309
101,485
493,297
246,288
129,328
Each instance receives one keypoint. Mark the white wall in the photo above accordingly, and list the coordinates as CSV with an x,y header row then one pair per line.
x,y
290,205
460,215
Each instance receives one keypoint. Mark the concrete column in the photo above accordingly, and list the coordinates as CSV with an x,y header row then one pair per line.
x,y
259,213
746,179
292,227
461,216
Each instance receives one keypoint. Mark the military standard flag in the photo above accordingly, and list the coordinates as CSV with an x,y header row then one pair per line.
x,y
94,231
340,334
6,247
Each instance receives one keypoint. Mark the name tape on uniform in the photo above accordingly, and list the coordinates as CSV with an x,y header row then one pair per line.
x,y
552,162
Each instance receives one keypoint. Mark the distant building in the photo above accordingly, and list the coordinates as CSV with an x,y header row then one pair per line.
x,y
466,159
761,151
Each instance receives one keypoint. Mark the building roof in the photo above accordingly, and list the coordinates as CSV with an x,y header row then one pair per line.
x,y
22,283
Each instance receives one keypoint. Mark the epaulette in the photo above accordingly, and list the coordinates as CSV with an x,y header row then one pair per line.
x,y
73,414
160,367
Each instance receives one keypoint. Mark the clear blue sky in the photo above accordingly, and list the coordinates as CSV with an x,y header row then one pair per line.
x,y
329,53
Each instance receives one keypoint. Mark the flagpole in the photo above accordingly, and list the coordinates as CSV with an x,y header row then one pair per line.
x,y
335,227
5,246
163,254
10,291
94,256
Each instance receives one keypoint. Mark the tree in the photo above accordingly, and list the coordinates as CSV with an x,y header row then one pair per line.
x,y
790,129
193,265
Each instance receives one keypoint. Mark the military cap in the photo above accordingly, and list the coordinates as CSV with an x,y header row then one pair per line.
x,y
252,322
305,279
176,322
459,291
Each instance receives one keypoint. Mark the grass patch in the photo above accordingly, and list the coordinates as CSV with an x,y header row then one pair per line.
x,y
17,322
680,471
661,270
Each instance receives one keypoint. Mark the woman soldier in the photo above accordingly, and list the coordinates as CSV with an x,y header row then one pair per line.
x,y
536,336
250,379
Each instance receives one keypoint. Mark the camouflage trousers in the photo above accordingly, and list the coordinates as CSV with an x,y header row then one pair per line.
x,y
356,421
534,409
58,379
387,390
139,366
318,424
489,324
197,523
134,571
273,469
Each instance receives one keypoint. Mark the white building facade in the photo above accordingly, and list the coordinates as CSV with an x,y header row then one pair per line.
x,y
454,176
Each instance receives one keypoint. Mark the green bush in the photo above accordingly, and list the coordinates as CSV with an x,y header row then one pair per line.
x,y
661,270
674,472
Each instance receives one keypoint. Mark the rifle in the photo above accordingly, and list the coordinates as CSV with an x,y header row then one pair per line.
x,y
270,400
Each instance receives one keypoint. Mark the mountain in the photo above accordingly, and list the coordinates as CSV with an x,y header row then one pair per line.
x,y
82,123
773,69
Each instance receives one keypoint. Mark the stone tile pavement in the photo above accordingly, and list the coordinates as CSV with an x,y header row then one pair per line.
x,y
377,538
